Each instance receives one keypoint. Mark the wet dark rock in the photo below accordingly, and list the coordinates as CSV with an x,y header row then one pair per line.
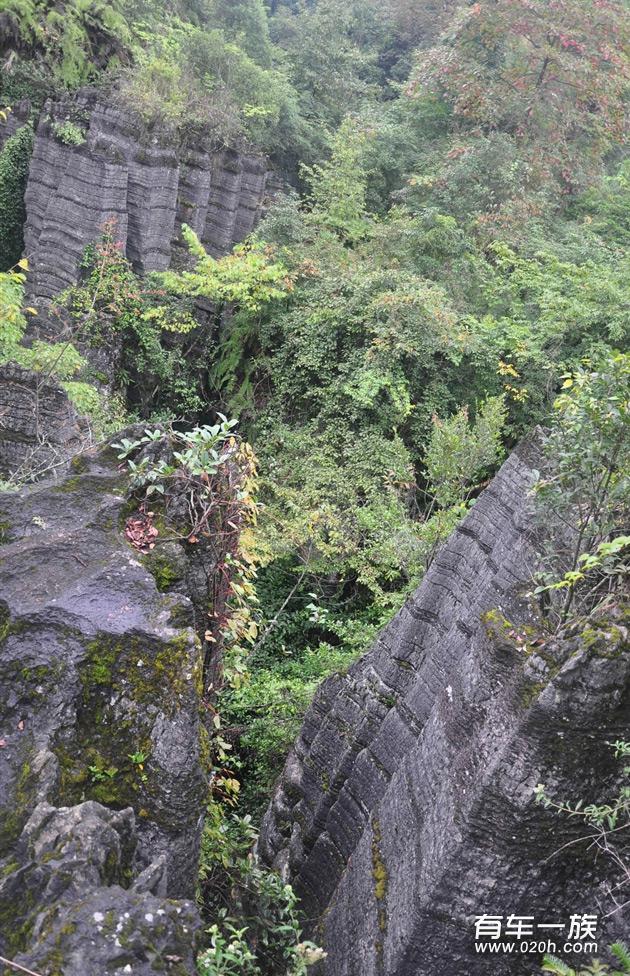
x,y
407,805
38,424
100,709
67,896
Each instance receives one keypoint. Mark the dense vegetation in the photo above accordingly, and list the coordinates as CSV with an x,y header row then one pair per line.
x,y
453,254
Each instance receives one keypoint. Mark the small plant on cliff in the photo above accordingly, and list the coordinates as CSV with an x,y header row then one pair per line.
x,y
257,931
206,478
69,132
551,964
584,499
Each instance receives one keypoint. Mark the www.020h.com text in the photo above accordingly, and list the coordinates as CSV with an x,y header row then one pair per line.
x,y
545,946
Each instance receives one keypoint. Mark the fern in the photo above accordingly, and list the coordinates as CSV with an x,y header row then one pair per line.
x,y
551,964
75,38
622,954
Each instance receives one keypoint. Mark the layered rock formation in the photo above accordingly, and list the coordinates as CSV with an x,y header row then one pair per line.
x,y
407,805
112,168
102,784
38,424
95,164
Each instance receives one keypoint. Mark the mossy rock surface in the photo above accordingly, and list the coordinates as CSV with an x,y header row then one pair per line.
x,y
100,730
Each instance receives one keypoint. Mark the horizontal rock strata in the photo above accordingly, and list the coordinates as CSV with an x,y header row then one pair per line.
x,y
407,806
147,182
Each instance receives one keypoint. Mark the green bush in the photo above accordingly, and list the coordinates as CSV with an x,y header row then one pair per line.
x,y
14,163
69,133
255,930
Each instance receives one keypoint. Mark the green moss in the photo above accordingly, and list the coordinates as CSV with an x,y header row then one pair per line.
x,y
79,464
69,485
18,933
13,819
531,691
9,869
5,623
164,570
379,875
144,672
607,638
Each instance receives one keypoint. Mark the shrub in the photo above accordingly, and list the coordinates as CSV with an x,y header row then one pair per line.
x,y
69,133
14,163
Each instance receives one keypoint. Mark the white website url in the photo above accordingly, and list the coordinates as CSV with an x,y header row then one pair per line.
x,y
545,947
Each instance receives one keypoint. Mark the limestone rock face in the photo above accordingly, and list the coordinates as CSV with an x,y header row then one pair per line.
x,y
72,902
146,182
100,707
38,423
407,805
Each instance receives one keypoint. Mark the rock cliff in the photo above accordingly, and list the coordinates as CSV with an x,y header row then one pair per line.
x,y
407,805
102,781
94,162
38,424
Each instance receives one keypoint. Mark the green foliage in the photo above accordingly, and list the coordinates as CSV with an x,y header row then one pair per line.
x,y
548,81
206,480
338,186
14,161
248,278
68,132
384,339
213,77
585,499
332,50
12,320
149,326
57,359
257,932
551,964
459,453
73,40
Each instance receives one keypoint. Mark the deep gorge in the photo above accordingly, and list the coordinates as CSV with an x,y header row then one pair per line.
x,y
314,447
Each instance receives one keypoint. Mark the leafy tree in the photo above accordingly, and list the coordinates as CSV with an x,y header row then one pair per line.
x,y
338,186
548,79
330,68
584,500
74,40
245,23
